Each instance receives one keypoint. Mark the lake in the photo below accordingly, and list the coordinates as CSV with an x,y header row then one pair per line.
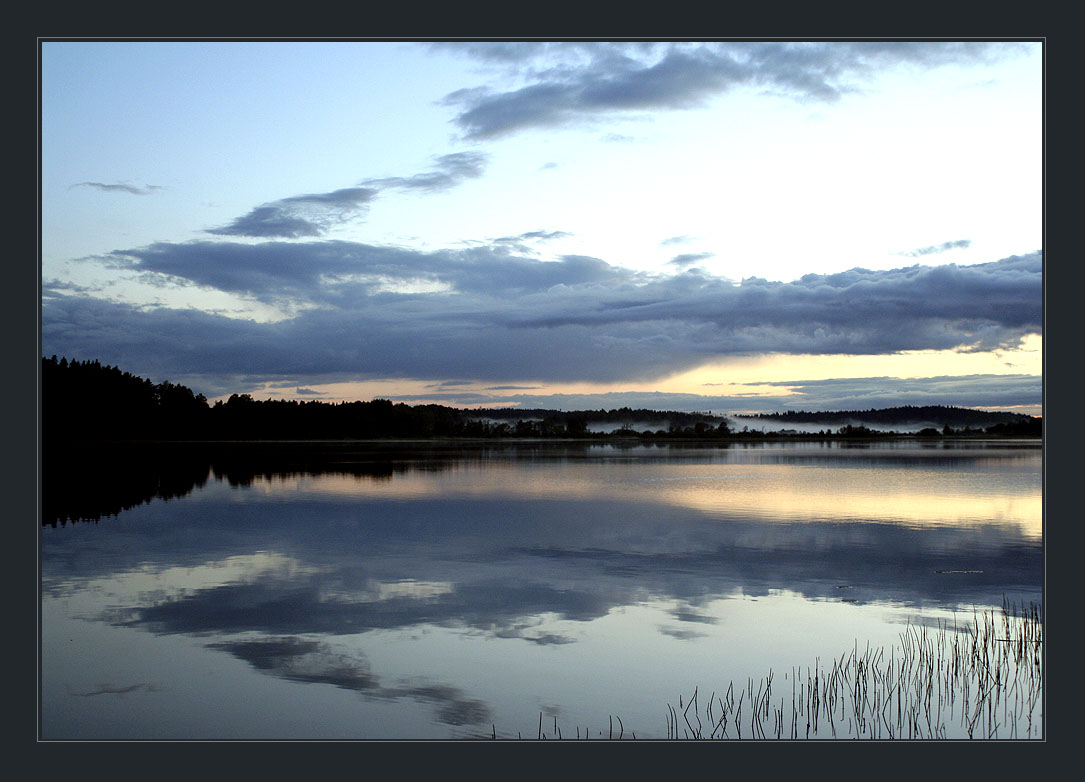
x,y
445,591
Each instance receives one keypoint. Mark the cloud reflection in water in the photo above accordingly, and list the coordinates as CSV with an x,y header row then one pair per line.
x,y
284,568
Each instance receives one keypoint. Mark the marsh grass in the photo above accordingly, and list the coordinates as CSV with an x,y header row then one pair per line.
x,y
983,680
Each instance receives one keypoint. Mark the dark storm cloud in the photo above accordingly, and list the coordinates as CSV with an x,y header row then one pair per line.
x,y
504,317
939,248
119,188
569,83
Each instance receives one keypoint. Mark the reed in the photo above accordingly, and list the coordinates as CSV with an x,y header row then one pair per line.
x,y
981,680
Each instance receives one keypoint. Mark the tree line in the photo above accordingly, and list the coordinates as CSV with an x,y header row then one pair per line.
x,y
88,400
955,418
95,401
91,401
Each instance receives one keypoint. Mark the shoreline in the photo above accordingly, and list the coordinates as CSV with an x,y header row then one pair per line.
x,y
601,439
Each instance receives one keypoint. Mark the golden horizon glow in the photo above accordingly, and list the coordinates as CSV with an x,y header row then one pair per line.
x,y
780,493
750,376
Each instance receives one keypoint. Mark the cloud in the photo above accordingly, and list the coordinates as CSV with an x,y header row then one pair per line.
x,y
346,273
498,317
579,81
307,618
501,52
686,259
864,393
113,689
682,634
306,392
550,639
688,614
303,215
315,662
511,571
295,659
119,188
314,214
54,288
273,606
677,240
938,248
873,392
545,235
449,171
522,243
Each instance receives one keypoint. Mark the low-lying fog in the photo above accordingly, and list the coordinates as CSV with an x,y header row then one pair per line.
x,y
737,424
770,425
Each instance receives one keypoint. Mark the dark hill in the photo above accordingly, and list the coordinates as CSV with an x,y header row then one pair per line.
x,y
929,415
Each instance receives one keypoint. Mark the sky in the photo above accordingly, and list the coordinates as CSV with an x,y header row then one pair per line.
x,y
734,226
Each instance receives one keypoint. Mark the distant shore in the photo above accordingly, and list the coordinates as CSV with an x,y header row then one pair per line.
x,y
590,439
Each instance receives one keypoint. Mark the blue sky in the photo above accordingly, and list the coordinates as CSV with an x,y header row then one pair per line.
x,y
732,226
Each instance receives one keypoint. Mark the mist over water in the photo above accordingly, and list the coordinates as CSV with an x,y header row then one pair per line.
x,y
769,425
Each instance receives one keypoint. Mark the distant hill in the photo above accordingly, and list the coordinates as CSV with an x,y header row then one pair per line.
x,y
929,415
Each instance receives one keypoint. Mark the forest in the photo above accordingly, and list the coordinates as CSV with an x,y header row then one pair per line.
x,y
91,401
950,420
88,400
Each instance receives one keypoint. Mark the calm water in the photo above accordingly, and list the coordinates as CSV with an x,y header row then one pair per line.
x,y
426,592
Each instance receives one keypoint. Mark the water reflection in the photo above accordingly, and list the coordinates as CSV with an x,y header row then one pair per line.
x,y
314,662
297,565
518,527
